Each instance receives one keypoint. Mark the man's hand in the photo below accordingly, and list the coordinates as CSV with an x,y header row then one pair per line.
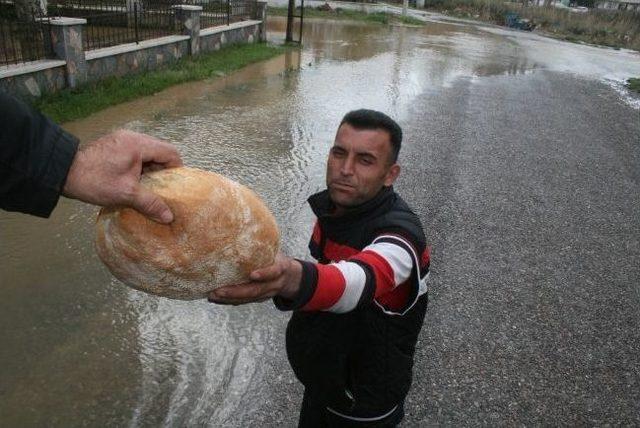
x,y
282,278
107,171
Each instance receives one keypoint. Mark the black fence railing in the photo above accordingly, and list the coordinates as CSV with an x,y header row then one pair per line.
x,y
214,13
24,36
111,23
223,12
241,10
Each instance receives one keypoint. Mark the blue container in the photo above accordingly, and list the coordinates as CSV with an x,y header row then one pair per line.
x,y
511,20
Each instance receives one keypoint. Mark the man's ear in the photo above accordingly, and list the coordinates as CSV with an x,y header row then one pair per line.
x,y
392,174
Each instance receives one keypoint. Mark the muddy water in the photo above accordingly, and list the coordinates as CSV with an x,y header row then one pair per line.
x,y
78,348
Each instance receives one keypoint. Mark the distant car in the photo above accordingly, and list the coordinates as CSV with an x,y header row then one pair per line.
x,y
513,20
579,9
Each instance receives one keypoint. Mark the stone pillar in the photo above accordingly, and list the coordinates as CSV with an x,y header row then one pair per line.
x,y
66,40
188,19
260,14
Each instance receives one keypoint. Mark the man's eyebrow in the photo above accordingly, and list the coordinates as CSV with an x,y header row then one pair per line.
x,y
366,154
361,154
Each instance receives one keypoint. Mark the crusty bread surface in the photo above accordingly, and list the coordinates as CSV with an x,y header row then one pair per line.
x,y
221,232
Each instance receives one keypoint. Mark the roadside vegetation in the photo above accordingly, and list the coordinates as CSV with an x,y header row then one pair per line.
x,y
634,84
352,15
619,29
81,102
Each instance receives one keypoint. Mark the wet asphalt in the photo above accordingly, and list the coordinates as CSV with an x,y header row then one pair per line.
x,y
530,195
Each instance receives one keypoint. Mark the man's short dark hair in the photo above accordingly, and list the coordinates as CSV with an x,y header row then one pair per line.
x,y
371,119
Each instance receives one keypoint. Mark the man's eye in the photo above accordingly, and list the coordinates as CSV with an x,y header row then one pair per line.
x,y
366,161
338,153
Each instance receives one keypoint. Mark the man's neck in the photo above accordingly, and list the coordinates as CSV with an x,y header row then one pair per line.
x,y
337,210
340,210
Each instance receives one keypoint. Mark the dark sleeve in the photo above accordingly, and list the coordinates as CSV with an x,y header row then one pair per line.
x,y
35,156
308,284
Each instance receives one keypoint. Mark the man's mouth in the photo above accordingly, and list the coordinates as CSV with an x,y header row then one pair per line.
x,y
341,185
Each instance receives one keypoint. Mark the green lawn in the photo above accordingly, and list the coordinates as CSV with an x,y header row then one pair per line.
x,y
634,84
81,102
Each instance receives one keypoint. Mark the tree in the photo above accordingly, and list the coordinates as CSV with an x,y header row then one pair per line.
x,y
28,36
26,10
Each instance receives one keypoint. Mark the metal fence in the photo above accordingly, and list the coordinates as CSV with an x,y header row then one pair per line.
x,y
241,10
111,23
23,36
214,13
223,12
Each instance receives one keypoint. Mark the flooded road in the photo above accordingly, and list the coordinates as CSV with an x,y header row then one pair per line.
x,y
521,157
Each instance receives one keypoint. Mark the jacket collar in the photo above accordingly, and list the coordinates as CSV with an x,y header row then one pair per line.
x,y
323,206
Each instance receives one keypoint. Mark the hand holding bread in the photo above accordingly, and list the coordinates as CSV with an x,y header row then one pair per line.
x,y
106,172
221,232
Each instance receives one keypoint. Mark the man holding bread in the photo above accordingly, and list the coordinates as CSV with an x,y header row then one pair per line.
x,y
358,310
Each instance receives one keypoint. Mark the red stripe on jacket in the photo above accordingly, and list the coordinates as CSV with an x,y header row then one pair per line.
x,y
317,233
331,285
384,276
425,258
397,300
337,252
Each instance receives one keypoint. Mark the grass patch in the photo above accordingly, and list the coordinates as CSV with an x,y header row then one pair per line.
x,y
351,15
614,28
81,102
410,20
634,84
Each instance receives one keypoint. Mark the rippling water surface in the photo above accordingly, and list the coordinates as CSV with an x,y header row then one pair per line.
x,y
78,348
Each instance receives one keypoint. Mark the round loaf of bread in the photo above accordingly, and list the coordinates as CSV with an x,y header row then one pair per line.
x,y
221,232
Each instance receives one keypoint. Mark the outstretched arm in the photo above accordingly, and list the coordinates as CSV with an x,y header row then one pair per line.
x,y
39,161
336,287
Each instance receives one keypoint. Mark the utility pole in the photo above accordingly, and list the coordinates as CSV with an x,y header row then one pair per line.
x,y
405,5
292,8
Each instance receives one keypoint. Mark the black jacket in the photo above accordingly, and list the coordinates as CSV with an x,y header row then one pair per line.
x,y
35,156
368,351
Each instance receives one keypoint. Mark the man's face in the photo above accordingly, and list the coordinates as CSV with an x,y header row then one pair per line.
x,y
359,165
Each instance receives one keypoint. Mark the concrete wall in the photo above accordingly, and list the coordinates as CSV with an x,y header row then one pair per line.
x,y
131,59
41,76
73,67
213,39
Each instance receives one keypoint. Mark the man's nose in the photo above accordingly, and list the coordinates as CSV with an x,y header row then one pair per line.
x,y
347,166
